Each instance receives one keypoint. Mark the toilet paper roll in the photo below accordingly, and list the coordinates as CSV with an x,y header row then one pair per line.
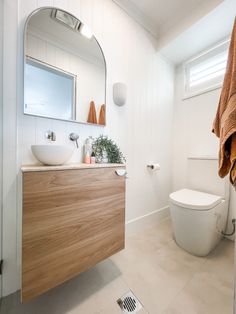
x,y
154,167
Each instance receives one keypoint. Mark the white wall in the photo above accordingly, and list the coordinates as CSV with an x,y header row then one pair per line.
x,y
142,128
9,213
1,82
193,120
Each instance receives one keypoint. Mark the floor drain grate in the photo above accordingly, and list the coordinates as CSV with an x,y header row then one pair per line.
x,y
129,303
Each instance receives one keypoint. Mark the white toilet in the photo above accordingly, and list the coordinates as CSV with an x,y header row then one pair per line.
x,y
199,212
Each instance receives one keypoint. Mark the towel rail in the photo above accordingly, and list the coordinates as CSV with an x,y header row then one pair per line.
x,y
202,157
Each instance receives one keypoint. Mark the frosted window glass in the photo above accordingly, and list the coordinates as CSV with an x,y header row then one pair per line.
x,y
206,71
48,91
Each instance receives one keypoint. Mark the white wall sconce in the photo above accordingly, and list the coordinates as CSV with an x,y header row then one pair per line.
x,y
119,94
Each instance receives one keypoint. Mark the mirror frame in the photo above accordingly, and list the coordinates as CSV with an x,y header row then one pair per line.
x,y
24,62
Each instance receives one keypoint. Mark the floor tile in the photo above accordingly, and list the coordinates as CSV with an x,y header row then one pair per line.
x,y
204,294
220,262
89,293
165,278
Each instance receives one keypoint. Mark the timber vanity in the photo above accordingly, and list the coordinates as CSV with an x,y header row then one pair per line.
x,y
73,218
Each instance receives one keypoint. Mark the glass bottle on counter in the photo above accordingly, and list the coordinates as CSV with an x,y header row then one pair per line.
x,y
88,149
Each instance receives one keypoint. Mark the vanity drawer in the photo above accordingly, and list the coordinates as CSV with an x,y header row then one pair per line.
x,y
72,219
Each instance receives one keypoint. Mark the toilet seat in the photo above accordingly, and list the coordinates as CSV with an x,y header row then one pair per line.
x,y
194,199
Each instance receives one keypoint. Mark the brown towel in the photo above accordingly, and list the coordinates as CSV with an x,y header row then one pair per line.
x,y
102,115
233,160
225,122
92,116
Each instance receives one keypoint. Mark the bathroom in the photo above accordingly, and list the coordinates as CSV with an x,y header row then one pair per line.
x,y
156,120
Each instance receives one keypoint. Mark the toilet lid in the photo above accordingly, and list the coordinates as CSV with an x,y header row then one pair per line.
x,y
194,199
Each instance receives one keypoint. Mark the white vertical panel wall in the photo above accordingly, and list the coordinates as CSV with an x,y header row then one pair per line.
x,y
9,223
1,82
193,120
142,128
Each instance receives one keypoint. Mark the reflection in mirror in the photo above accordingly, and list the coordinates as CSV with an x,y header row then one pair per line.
x,y
65,70
58,89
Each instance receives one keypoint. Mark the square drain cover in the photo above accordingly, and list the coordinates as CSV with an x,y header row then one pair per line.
x,y
129,303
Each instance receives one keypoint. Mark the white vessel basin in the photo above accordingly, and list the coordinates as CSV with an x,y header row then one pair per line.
x,y
52,155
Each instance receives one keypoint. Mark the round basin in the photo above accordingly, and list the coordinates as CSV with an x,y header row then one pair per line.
x,y
52,155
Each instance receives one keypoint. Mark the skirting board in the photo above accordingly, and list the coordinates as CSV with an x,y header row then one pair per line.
x,y
146,221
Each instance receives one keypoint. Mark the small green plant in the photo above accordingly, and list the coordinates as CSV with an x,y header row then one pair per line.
x,y
107,151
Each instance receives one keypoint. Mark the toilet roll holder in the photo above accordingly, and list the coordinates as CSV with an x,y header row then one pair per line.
x,y
150,166
153,166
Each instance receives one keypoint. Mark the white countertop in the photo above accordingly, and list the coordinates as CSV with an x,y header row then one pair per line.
x,y
69,166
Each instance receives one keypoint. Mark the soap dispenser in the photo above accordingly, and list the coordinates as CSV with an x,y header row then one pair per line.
x,y
88,148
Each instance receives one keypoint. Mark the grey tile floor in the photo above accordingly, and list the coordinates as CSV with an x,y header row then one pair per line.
x,y
166,279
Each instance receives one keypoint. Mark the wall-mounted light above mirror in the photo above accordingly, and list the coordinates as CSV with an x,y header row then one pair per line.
x,y
64,68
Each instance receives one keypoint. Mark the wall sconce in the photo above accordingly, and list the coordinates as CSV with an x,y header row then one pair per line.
x,y
119,94
65,18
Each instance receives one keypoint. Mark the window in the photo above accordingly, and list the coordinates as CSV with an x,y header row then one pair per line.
x,y
206,71
49,91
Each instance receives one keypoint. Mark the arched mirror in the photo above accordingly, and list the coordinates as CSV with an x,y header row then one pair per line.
x,y
64,69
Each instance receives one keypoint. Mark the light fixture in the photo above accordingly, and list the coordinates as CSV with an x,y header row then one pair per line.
x,y
85,31
72,22
119,94
66,18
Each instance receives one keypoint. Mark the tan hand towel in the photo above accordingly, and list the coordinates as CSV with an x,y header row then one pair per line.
x,y
225,121
233,160
92,116
102,115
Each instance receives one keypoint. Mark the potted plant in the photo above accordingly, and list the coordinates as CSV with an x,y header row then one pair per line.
x,y
106,151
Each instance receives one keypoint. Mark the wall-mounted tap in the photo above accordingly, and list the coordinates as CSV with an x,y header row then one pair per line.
x,y
50,135
74,137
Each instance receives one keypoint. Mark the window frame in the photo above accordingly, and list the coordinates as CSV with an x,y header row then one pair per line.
x,y
187,93
59,71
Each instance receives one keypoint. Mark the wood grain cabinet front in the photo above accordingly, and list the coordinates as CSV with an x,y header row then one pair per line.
x,y
72,219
